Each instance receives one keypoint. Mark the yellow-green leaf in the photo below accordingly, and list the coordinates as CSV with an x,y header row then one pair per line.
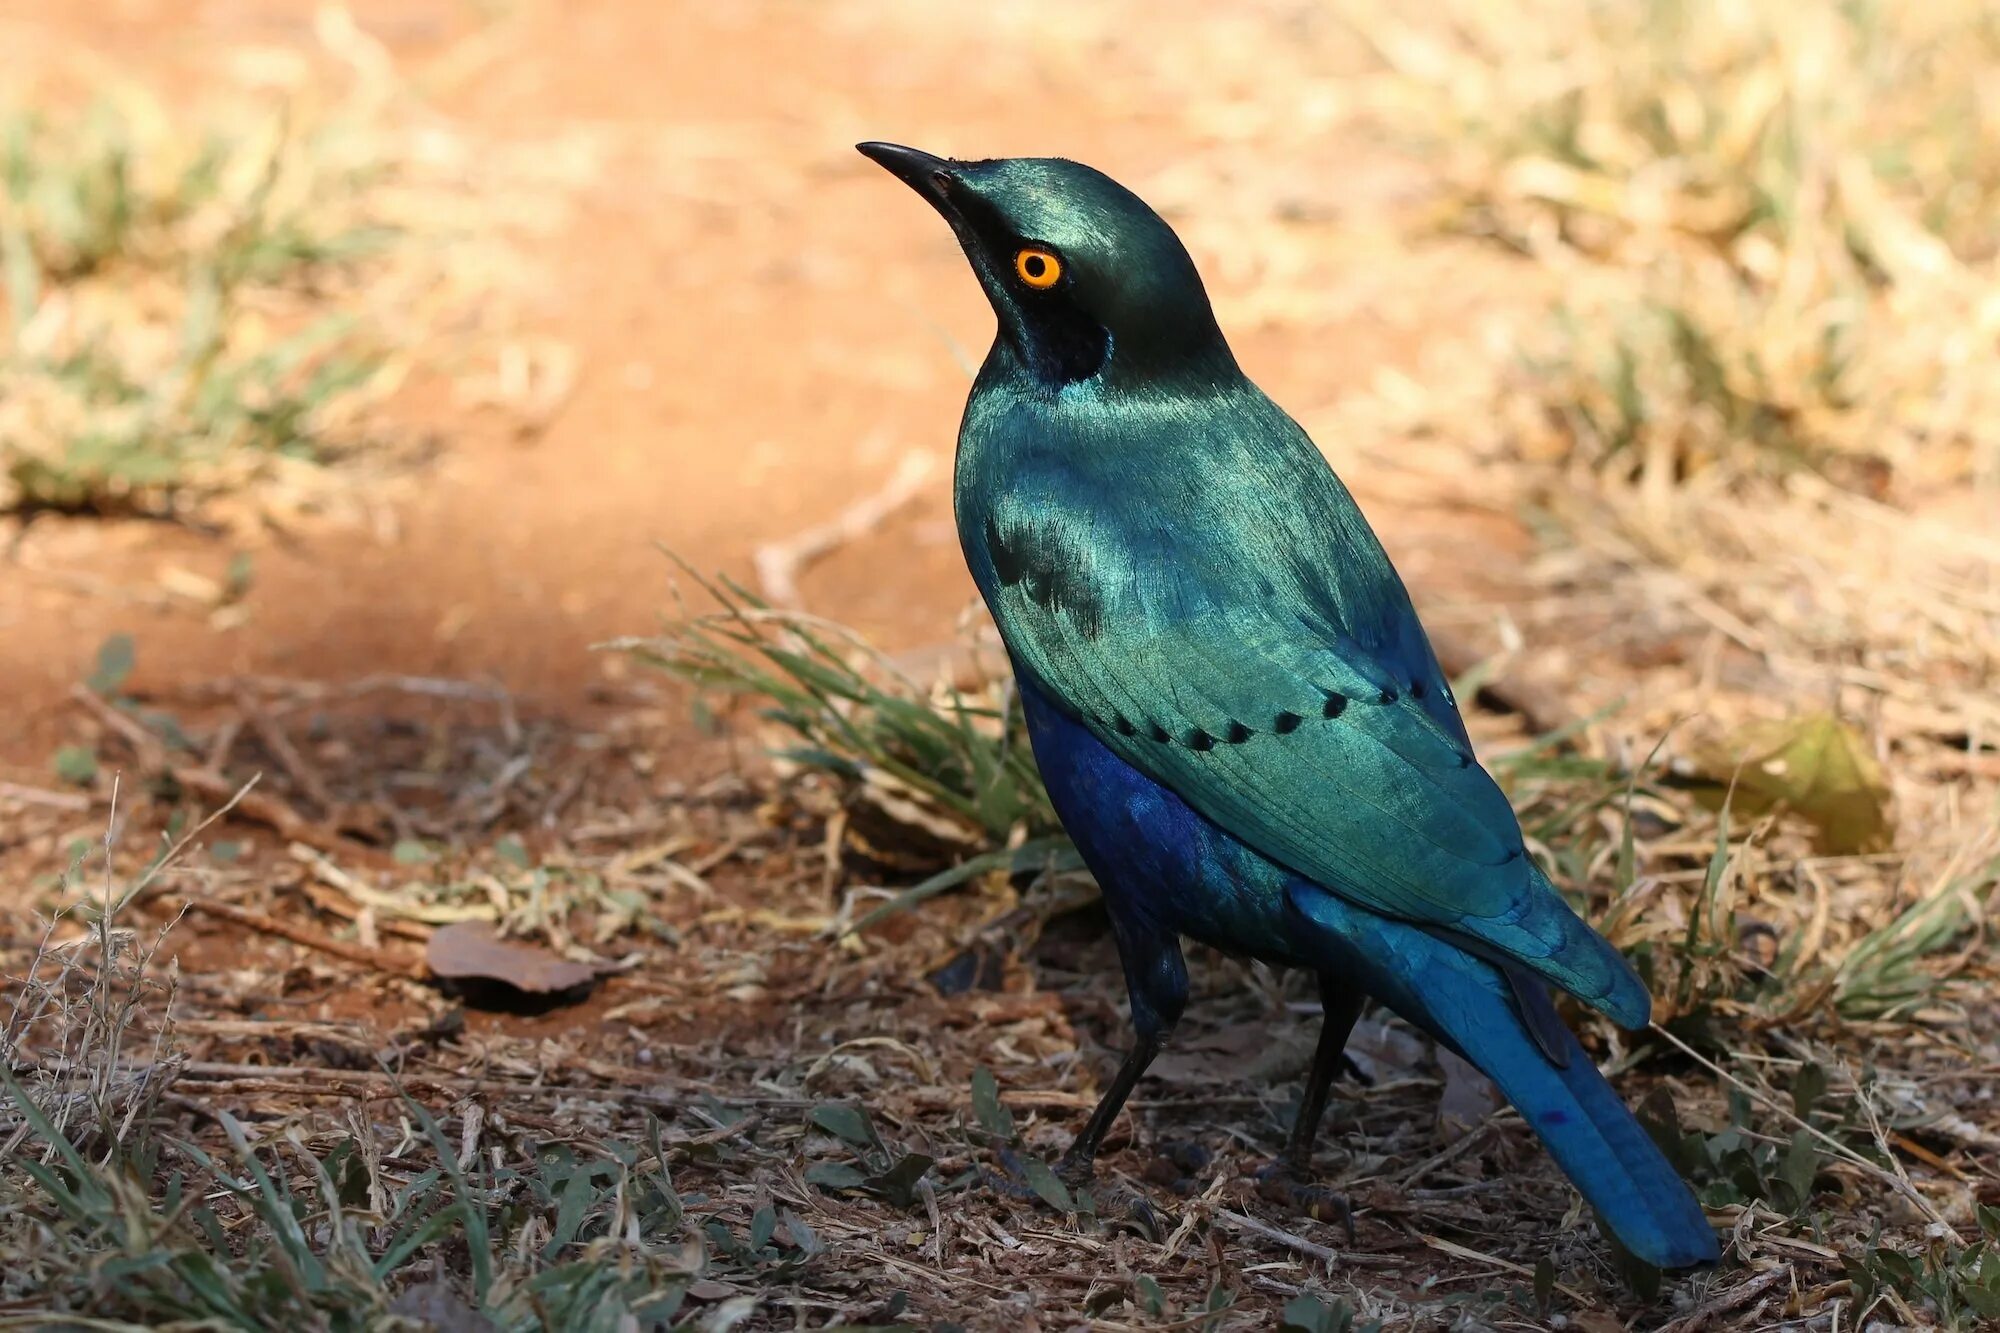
x,y
1816,766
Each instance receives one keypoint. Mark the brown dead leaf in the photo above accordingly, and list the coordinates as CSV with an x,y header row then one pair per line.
x,y
470,951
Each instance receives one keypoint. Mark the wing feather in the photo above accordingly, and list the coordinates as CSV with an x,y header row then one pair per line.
x,y
1334,749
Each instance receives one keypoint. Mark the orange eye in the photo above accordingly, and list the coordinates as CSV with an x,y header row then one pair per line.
x,y
1038,268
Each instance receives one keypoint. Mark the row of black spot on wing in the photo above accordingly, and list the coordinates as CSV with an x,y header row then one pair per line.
x,y
1235,733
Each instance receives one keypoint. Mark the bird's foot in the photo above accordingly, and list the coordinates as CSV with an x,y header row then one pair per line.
x,y
1285,1183
1118,1206
1076,1172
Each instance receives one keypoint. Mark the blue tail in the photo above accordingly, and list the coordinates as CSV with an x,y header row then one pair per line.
x,y
1466,1003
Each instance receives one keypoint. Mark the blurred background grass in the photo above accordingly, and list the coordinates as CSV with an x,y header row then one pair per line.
x,y
149,267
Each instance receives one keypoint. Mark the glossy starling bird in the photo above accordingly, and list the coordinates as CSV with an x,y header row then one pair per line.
x,y
1238,716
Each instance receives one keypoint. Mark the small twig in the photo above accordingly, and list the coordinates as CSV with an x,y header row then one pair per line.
x,y
288,757
1894,1180
1875,1128
145,742
1299,1244
780,563
1290,1240
334,903
1464,1191
1458,1251
54,800
388,905
174,852
1451,1151
708,861
307,1080
311,939
222,745
266,810
1728,1301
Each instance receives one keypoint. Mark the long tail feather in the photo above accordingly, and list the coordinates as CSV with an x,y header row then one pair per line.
x,y
1467,1003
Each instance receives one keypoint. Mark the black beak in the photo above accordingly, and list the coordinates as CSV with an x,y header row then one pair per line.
x,y
929,176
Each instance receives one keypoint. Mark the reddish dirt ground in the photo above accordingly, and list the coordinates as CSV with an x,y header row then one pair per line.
x,y
764,327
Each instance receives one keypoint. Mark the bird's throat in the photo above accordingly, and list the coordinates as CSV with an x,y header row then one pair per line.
x,y
1063,346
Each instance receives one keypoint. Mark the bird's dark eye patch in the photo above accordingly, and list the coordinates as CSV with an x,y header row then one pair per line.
x,y
1237,733
1064,344
1122,724
1286,723
1388,696
1158,732
1199,740
1336,704
1416,689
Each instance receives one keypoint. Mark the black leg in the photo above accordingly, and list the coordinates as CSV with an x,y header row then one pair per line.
x,y
1342,1007
1076,1163
1156,977
1288,1180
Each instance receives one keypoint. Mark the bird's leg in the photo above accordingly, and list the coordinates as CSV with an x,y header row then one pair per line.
x,y
1289,1179
1156,977
1341,1007
1077,1164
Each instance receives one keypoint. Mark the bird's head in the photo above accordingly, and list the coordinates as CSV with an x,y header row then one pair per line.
x,y
1086,280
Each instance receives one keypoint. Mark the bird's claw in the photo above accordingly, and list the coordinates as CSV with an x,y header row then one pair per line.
x,y
1118,1205
1014,1183
1282,1182
1125,1207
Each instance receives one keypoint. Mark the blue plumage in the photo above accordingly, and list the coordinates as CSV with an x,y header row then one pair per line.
x,y
1241,721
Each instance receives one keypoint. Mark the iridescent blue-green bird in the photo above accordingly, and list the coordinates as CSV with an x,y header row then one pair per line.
x,y
1238,715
